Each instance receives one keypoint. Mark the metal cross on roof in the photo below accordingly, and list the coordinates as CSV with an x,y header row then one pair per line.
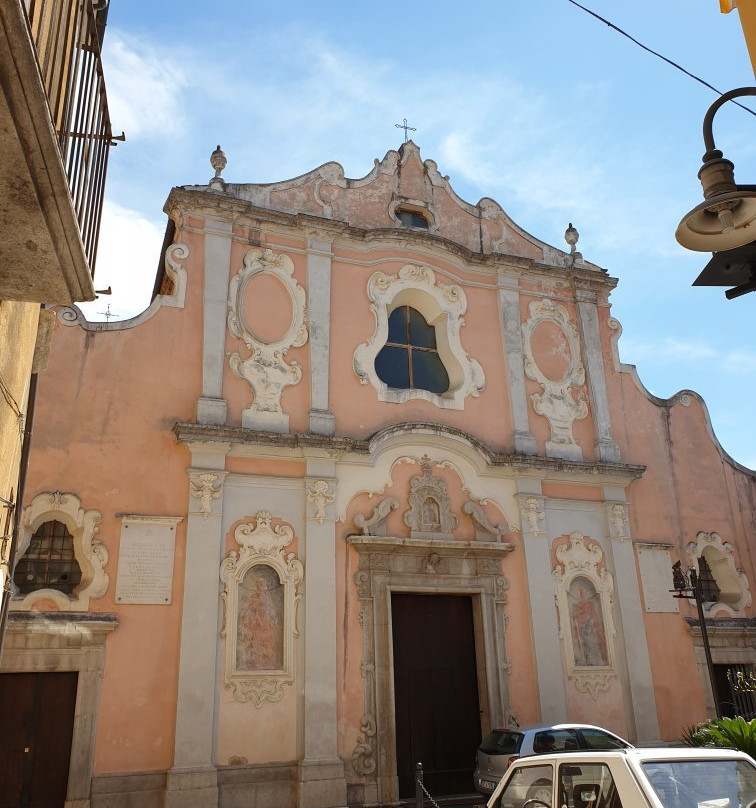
x,y
107,314
406,128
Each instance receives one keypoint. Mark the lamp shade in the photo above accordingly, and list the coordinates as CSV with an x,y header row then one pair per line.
x,y
722,222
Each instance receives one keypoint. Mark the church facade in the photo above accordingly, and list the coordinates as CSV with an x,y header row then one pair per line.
x,y
366,480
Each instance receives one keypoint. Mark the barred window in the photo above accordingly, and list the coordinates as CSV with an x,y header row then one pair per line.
x,y
49,562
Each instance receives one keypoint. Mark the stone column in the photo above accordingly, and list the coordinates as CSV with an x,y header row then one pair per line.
x,y
638,684
192,782
606,448
211,406
546,646
509,309
319,311
321,772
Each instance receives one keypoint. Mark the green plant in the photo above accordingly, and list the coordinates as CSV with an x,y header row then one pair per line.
x,y
730,733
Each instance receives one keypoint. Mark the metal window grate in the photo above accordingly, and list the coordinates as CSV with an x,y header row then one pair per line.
x,y
49,562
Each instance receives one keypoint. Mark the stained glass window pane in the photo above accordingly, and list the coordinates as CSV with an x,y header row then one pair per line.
x,y
397,325
422,335
429,372
392,367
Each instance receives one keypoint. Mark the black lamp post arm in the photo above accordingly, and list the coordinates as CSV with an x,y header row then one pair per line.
x,y
708,135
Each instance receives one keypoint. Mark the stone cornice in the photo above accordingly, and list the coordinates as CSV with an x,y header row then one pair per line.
x,y
186,200
298,444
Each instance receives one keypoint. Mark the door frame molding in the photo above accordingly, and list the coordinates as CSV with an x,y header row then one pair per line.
x,y
423,566
51,642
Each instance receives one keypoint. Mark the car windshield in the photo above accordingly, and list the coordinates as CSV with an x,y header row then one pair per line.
x,y
703,783
501,742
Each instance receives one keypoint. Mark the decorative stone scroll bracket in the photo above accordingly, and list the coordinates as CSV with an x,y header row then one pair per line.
x,y
375,525
265,369
261,593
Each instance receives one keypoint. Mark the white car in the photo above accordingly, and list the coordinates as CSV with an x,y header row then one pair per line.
x,y
501,747
630,778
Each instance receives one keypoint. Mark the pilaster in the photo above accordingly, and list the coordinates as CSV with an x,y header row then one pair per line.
x,y
509,309
211,406
321,772
319,312
606,448
546,647
193,779
638,682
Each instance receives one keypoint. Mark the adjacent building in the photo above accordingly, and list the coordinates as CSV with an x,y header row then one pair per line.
x,y
54,141
367,479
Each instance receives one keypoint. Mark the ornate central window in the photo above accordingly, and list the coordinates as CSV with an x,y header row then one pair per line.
x,y
409,359
415,350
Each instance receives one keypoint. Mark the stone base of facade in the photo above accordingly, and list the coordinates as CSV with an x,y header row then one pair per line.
x,y
321,784
275,785
191,788
145,789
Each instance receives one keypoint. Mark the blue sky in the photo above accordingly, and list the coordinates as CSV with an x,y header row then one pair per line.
x,y
537,105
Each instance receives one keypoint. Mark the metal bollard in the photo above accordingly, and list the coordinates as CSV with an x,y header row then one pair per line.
x,y
419,797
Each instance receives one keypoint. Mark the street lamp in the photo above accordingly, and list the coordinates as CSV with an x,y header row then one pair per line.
x,y
725,222
701,587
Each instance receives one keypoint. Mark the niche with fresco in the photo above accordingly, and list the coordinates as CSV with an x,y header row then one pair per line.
x,y
261,591
584,596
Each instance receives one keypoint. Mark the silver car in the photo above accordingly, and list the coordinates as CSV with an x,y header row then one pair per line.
x,y
503,746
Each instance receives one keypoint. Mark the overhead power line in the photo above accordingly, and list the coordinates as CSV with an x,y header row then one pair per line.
x,y
659,55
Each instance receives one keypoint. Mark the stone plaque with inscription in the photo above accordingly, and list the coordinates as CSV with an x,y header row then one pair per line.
x,y
145,560
655,565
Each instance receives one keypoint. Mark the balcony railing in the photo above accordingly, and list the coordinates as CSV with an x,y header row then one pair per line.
x,y
67,35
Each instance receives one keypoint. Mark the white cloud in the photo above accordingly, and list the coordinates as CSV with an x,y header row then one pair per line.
x,y
127,261
143,88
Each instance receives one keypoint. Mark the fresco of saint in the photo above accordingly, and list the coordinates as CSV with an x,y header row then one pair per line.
x,y
587,623
259,627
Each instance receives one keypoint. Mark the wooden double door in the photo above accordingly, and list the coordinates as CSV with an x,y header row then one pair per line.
x,y
435,692
36,729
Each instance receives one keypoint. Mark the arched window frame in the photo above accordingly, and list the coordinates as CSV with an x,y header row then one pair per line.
x,y
91,553
734,594
442,306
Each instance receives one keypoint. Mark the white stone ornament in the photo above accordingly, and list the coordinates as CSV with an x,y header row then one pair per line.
x,y
265,369
734,593
91,554
319,496
205,489
430,513
556,401
442,305
261,593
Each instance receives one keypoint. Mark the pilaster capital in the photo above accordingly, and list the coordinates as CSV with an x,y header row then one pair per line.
x,y
206,487
319,241
532,514
321,494
617,518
